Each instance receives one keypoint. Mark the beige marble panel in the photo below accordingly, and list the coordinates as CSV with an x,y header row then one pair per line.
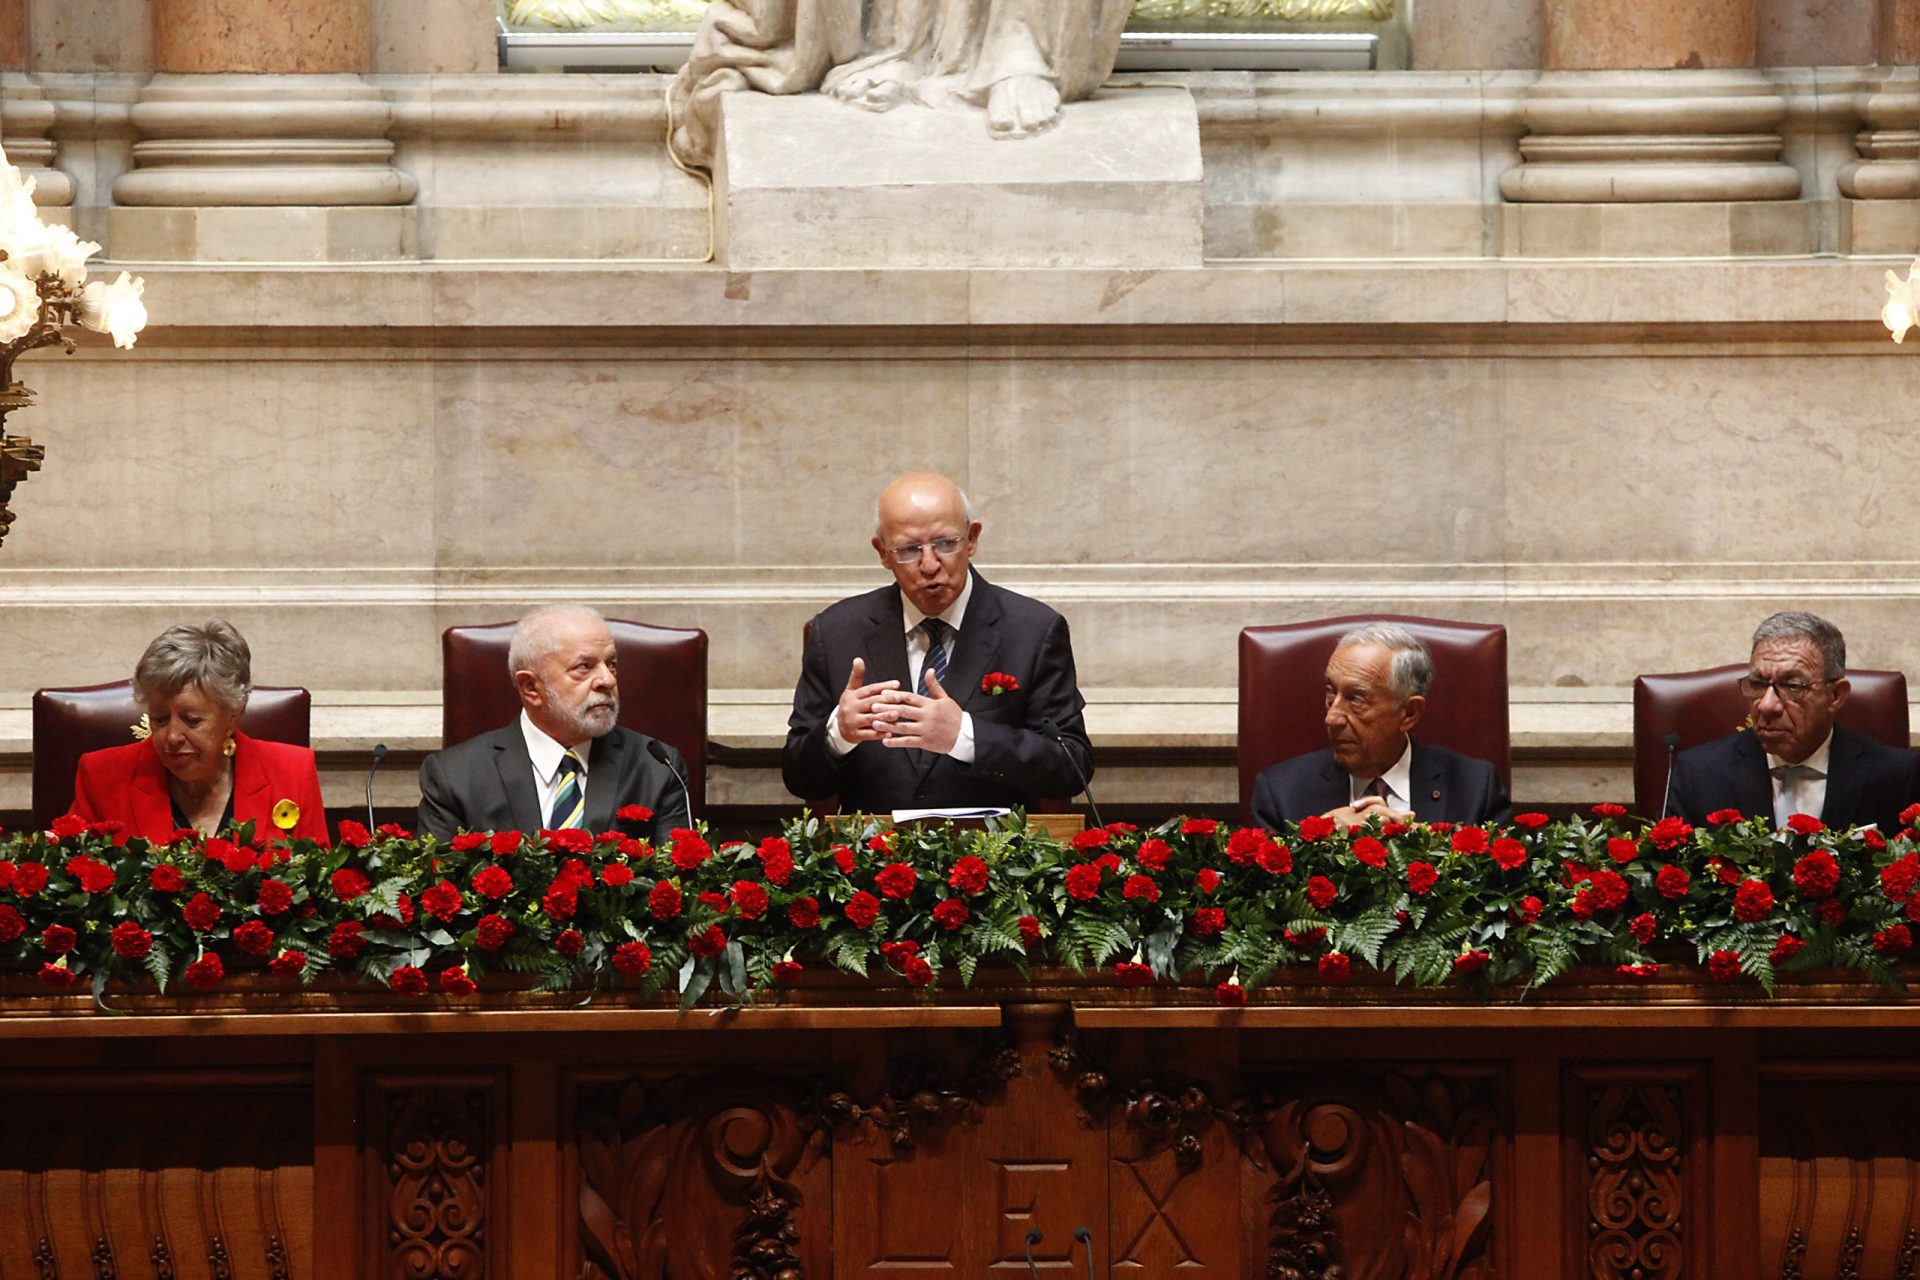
x,y
13,35
1474,35
1628,34
438,36
1814,33
289,36
1898,33
1888,228
90,35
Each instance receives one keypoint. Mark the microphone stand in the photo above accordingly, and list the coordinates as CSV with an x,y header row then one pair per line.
x,y
658,751
1052,730
379,758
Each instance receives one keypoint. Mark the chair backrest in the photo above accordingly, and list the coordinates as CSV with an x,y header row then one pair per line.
x,y
663,688
1283,681
1699,706
68,723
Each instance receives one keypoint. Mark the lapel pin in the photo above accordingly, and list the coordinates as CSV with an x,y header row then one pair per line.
x,y
1436,794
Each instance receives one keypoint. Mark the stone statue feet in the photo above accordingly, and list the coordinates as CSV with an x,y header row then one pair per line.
x,y
1021,106
873,84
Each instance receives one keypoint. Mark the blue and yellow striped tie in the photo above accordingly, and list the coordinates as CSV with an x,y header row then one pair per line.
x,y
569,798
936,662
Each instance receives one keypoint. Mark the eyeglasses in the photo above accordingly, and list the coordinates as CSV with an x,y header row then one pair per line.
x,y
1789,690
941,547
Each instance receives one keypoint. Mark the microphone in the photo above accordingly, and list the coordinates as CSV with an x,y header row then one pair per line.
x,y
1052,730
658,750
1085,1237
379,758
1672,743
1034,1237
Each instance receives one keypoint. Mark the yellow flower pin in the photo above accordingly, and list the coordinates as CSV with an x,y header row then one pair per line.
x,y
286,815
142,729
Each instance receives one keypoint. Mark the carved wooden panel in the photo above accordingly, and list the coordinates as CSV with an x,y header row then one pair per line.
x,y
433,1198
1840,1178
137,1183
1642,1195
716,1177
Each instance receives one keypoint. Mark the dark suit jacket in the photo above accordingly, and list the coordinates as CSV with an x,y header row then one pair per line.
x,y
129,784
486,784
1014,763
1868,782
1447,787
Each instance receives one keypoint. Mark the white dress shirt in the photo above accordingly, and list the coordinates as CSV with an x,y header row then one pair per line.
x,y
546,755
1803,795
911,617
1399,780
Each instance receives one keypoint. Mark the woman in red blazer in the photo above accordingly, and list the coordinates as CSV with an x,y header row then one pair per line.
x,y
196,769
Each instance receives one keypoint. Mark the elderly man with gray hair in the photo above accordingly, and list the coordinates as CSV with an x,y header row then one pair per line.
x,y
566,762
1790,757
1377,681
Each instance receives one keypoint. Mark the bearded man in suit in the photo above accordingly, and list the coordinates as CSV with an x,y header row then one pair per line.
x,y
940,690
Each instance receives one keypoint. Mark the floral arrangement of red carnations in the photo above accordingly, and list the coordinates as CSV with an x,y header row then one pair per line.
x,y
1188,900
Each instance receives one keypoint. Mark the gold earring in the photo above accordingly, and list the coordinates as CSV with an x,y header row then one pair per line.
x,y
230,746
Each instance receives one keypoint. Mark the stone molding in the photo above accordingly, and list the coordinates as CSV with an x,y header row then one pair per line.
x,y
1888,141
26,118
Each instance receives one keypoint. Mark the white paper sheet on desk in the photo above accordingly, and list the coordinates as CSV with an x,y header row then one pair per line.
x,y
923,815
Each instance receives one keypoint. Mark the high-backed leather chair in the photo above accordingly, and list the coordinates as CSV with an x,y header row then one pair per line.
x,y
663,688
68,723
1699,706
1283,691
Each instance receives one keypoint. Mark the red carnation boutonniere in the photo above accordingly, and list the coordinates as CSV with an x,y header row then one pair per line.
x,y
997,683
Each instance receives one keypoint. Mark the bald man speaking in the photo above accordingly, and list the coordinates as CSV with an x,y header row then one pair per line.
x,y
941,690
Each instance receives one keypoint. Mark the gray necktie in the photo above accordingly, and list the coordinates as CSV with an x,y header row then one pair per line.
x,y
1792,799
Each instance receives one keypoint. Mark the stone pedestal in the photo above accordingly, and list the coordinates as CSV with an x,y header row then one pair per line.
x,y
1882,210
26,117
806,181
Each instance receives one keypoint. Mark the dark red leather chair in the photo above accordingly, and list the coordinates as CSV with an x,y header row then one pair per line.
x,y
663,688
1283,691
1699,706
68,723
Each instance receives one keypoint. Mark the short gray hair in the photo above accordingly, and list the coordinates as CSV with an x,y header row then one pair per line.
x,y
1797,625
533,637
214,657
1411,672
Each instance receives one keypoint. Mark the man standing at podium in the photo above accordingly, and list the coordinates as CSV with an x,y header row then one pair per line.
x,y
1791,757
941,690
1377,681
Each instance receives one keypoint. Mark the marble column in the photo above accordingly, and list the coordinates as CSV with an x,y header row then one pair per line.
x,y
26,115
1646,103
1882,187
262,139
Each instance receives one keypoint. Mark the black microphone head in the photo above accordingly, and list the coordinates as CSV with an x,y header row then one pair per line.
x,y
1034,1236
658,750
1050,727
1672,740
380,753
1083,1235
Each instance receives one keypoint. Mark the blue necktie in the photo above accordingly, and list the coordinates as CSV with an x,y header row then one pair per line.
x,y
569,798
936,662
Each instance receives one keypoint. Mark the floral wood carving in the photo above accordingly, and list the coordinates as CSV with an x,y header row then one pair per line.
x,y
1634,1190
1167,1114
436,1184
921,1096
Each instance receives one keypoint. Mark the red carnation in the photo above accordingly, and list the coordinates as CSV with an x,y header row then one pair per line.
x,y
895,880
1207,879
664,902
347,941
787,971
1894,940
1817,875
1470,962
632,958
1421,877
1470,840
1275,859
995,683
1805,824
881,843
1669,834
1370,851
288,964
12,924
560,900
1609,811
1623,849
58,976
1321,892
843,859
1230,994
93,875
1133,975
200,912
749,899
29,878
633,813
1335,966
67,826
1208,921
1786,949
1138,887
1306,941
568,840
918,972
1392,829
1207,826
1643,927
455,982
863,909
1508,853
896,953
1530,909
689,850
1871,837
166,878
616,875
1029,931
803,913
950,913
350,883
1724,817
1672,882
1530,820
253,938
443,901
1083,881
504,843
708,942
1832,912
1752,901
1153,854
969,875
493,932
1244,845
493,882
1897,878
407,980
235,858
275,897
205,973
1109,863
1638,972
1610,890
569,943
776,861
58,939
355,836
1314,827
467,841
1723,966
1092,838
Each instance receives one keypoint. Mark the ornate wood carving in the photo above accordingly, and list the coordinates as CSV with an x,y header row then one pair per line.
x,y
1840,1178
923,1095
1635,1188
436,1183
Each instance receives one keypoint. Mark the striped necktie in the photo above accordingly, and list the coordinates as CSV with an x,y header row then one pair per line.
x,y
569,797
936,663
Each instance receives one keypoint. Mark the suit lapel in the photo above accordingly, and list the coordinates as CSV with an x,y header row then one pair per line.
x,y
1429,798
152,806
1753,785
250,786
608,760
977,646
885,645
1335,789
516,778
1842,807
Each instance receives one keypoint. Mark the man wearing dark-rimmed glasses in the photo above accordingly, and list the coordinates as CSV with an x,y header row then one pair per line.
x,y
1791,757
939,690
